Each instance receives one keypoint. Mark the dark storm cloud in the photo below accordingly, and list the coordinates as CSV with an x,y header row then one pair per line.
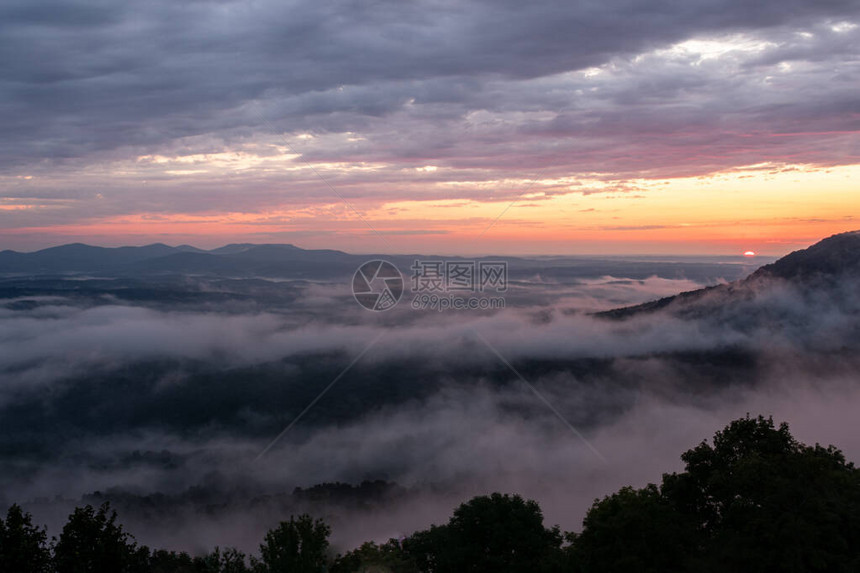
x,y
86,77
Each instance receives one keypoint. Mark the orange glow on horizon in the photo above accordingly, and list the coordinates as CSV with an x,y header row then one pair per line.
x,y
761,210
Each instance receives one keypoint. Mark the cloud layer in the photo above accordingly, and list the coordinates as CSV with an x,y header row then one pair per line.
x,y
154,401
157,110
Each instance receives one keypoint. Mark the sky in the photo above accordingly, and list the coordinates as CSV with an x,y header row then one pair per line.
x,y
461,127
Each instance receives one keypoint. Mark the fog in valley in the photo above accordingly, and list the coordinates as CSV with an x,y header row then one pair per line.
x,y
183,397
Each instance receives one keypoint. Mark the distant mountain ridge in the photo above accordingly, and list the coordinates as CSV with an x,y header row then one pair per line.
x,y
161,258
287,261
821,265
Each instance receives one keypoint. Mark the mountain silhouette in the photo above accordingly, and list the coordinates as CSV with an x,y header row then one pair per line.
x,y
229,260
820,268
78,257
833,258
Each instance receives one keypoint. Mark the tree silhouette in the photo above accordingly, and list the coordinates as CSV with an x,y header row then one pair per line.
x,y
161,561
23,546
499,533
229,560
390,557
631,530
755,500
92,542
767,502
295,546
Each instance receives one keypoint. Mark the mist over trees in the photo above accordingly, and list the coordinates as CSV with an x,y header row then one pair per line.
x,y
755,499
155,392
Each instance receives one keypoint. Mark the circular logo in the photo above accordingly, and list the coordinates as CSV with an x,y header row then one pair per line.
x,y
377,285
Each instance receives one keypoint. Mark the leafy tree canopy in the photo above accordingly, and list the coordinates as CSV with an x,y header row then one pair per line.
x,y
296,546
92,542
23,546
754,500
500,533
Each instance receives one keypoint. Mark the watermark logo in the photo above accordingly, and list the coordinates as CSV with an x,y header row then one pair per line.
x,y
435,284
377,285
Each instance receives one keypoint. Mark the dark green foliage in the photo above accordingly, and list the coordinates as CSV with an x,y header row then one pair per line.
x,y
431,549
92,542
229,560
499,533
757,500
295,546
767,502
390,557
23,547
162,561
632,530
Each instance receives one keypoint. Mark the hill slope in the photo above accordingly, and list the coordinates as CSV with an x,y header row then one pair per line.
x,y
821,267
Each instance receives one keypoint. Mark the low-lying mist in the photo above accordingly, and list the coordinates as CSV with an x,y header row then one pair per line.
x,y
165,409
